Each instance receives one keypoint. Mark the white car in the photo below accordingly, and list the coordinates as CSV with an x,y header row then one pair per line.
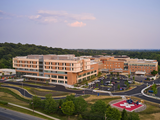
x,y
110,84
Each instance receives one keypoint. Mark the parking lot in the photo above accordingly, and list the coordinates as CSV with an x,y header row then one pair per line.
x,y
110,83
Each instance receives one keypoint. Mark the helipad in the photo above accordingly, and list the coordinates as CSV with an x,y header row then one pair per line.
x,y
129,107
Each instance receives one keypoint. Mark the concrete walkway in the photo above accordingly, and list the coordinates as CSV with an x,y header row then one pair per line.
x,y
34,111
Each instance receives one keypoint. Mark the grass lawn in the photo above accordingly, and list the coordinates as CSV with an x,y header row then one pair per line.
x,y
9,98
42,92
96,88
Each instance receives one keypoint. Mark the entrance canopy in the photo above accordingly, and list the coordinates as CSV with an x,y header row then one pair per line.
x,y
38,77
140,73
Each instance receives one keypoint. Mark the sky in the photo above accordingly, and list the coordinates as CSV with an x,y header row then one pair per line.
x,y
82,24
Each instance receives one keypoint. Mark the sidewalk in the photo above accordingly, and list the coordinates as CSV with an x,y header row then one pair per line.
x,y
34,111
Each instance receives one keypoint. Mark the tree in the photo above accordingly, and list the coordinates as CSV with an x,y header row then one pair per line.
x,y
113,113
10,73
102,82
129,75
68,108
80,105
154,72
133,79
24,80
99,107
110,77
118,77
70,98
118,86
124,115
117,73
111,73
96,84
36,102
2,74
133,116
87,83
59,111
154,88
50,105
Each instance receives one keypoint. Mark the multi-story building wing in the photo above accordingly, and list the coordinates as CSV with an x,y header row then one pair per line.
x,y
127,65
66,69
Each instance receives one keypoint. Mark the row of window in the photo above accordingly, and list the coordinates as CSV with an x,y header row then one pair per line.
x,y
27,69
64,64
15,61
142,65
26,66
111,63
63,68
57,72
59,81
56,76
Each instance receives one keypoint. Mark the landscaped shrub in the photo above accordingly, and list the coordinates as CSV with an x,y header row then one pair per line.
x,y
3,102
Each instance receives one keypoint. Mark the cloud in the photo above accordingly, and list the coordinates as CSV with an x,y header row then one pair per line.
x,y
85,16
77,24
44,16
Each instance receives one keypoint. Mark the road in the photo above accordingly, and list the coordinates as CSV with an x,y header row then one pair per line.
x,y
6,114
134,92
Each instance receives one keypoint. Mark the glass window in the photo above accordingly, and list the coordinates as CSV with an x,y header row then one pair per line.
x,y
54,76
61,77
65,77
54,80
59,81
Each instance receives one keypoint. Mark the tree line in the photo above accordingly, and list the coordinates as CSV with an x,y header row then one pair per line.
x,y
77,106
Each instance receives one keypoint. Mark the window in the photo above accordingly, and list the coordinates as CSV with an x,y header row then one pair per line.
x,y
60,77
54,76
65,77
54,80
84,74
65,82
59,81
47,75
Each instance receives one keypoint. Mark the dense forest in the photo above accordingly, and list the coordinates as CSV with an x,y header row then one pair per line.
x,y
10,50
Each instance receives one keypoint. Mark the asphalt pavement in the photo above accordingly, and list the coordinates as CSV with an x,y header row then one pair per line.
x,y
6,114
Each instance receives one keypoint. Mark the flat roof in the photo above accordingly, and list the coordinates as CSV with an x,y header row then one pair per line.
x,y
33,76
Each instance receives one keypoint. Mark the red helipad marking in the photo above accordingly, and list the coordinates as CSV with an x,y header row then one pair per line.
x,y
124,105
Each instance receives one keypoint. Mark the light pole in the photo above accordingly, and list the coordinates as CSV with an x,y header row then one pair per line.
x,y
32,106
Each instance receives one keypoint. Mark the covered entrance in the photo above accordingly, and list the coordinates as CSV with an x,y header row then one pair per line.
x,y
38,78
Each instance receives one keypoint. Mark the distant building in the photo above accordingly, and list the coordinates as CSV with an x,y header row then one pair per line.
x,y
125,64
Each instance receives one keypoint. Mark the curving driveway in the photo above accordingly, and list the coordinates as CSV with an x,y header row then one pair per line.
x,y
134,92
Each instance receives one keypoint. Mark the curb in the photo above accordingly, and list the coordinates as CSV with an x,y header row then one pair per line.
x,y
142,91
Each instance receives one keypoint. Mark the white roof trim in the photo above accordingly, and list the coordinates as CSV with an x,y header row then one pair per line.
x,y
33,76
140,72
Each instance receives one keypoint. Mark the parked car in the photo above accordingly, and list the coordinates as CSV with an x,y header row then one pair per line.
x,y
108,82
113,82
105,84
130,82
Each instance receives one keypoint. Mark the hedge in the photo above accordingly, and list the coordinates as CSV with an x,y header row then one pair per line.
x,y
14,94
